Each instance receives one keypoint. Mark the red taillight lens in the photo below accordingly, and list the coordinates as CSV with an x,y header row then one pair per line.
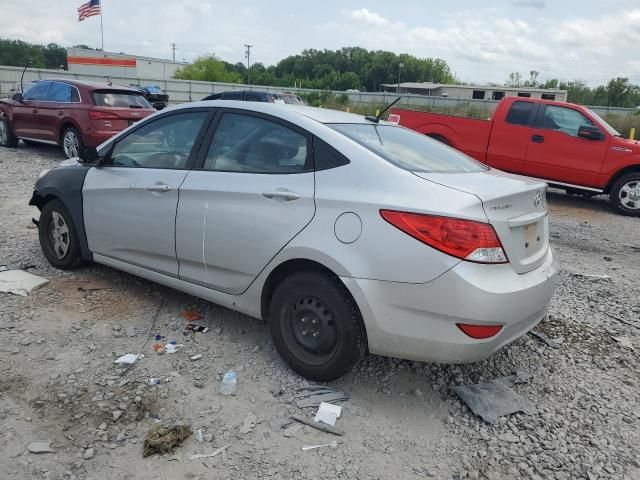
x,y
465,239
100,115
479,332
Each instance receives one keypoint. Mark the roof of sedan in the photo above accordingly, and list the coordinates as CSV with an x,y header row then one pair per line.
x,y
322,115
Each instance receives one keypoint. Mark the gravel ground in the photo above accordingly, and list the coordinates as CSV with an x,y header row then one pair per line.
x,y
58,382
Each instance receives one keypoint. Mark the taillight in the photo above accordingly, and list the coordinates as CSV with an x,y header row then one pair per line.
x,y
465,239
100,115
479,332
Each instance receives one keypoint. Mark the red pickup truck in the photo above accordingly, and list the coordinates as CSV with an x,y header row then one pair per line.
x,y
567,145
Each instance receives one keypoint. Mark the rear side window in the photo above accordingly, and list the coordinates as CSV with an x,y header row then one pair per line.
x,y
59,92
247,144
325,156
520,113
120,99
409,150
231,96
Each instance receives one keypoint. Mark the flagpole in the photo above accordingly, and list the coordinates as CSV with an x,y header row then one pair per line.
x,y
101,29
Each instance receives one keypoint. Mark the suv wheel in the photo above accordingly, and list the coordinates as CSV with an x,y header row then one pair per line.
x,y
58,238
625,194
71,142
316,326
7,138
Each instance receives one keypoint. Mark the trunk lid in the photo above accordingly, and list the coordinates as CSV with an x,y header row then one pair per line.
x,y
515,206
117,119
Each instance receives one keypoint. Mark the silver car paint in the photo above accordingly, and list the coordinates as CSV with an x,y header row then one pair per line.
x,y
382,256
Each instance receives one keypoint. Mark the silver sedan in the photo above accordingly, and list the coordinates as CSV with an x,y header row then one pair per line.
x,y
346,234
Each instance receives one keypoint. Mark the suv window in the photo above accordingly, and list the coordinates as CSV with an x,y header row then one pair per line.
x,y
243,143
255,97
163,143
38,91
59,92
232,96
520,112
564,119
120,99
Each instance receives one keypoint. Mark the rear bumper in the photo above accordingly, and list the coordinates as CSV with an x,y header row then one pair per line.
x,y
418,321
96,137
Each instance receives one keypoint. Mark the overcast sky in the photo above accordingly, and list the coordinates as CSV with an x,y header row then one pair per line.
x,y
592,40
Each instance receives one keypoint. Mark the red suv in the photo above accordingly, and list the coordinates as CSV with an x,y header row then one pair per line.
x,y
72,114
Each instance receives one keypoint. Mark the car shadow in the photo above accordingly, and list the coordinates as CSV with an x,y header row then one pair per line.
x,y
579,206
53,151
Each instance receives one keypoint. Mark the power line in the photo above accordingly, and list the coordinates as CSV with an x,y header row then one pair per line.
x,y
248,55
173,47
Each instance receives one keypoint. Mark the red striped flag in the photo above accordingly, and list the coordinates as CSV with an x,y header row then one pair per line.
x,y
89,9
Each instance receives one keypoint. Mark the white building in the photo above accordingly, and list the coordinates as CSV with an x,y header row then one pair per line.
x,y
97,62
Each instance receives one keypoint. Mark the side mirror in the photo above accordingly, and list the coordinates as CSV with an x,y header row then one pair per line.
x,y
89,155
590,132
17,97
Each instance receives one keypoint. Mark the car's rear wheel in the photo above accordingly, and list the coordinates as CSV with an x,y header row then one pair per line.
x,y
7,138
625,194
58,237
316,326
71,142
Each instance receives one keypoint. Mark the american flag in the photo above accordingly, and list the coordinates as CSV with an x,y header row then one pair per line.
x,y
89,9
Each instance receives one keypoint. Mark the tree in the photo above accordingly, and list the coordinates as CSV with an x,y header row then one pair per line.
x,y
209,69
515,80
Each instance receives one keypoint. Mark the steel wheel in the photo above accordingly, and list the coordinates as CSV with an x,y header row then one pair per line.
x,y
59,237
71,143
629,195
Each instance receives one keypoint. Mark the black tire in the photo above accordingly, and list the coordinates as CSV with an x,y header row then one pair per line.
x,y
68,149
7,137
621,199
57,256
320,303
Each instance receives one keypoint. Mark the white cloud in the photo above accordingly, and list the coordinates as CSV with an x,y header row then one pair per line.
x,y
529,3
365,16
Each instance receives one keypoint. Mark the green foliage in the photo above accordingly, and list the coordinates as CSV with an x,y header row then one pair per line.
x,y
208,69
17,53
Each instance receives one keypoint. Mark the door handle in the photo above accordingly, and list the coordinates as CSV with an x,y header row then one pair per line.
x,y
162,188
537,139
35,110
285,195
60,113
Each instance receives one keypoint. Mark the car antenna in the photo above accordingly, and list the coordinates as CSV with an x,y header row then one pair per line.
x,y
376,119
22,78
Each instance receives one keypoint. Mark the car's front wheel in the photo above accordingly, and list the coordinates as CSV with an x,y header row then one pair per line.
x,y
625,194
316,325
7,138
71,142
58,237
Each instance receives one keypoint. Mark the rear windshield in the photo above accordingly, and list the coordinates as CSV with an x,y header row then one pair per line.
x,y
153,89
120,99
290,99
409,150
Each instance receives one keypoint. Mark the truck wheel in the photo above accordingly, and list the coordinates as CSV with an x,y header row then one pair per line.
x,y
625,194
316,326
7,138
71,142
58,238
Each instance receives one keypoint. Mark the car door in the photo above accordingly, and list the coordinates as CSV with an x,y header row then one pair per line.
x,y
130,202
556,152
251,193
27,119
54,107
510,137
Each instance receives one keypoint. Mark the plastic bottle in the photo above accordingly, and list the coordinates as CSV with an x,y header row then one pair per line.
x,y
229,383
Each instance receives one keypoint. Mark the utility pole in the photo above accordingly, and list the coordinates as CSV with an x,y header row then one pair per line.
x,y
173,47
400,65
248,55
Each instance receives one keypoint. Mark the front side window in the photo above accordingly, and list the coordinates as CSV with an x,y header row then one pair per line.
x,y
409,150
163,143
243,143
59,92
564,119
519,113
38,91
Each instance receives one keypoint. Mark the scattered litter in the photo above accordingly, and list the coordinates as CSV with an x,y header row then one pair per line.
x,y
318,425
198,456
313,396
19,282
199,435
495,399
333,444
40,447
588,275
249,422
165,440
229,383
193,329
192,315
129,358
172,347
93,284
196,357
154,381
159,348
625,342
328,413
519,377
543,336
